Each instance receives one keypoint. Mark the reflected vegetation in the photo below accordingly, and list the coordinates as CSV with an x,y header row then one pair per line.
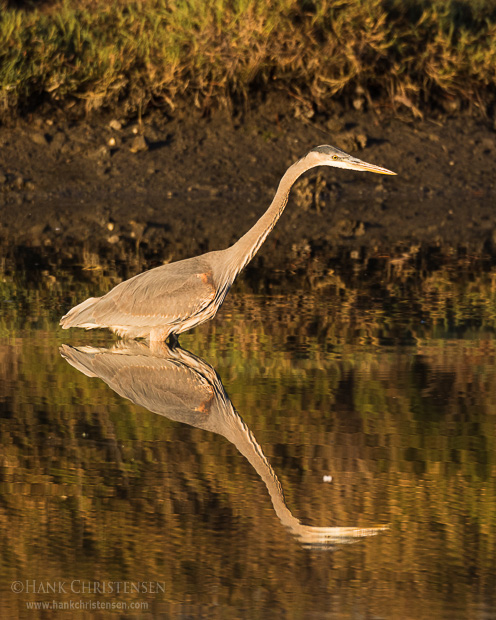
x,y
182,387
386,386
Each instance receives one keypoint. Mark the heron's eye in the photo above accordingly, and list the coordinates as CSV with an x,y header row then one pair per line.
x,y
335,157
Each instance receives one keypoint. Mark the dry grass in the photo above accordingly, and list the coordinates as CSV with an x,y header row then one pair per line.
x,y
219,52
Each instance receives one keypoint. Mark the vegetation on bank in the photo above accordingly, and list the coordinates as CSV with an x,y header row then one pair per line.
x,y
399,53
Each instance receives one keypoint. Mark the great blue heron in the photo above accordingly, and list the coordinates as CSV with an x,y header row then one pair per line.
x,y
170,299
182,387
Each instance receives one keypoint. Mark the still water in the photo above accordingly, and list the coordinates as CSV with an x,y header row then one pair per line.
x,y
301,456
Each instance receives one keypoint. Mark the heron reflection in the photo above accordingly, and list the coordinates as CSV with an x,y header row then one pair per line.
x,y
182,387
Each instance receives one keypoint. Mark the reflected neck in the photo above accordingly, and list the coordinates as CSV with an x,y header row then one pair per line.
x,y
240,436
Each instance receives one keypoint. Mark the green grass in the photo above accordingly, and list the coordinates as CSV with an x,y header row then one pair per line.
x,y
212,53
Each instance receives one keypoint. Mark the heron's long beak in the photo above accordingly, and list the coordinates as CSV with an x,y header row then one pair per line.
x,y
358,164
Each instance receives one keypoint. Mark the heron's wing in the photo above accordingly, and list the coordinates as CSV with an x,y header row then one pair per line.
x,y
164,295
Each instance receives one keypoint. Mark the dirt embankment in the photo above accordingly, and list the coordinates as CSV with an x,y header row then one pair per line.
x,y
99,189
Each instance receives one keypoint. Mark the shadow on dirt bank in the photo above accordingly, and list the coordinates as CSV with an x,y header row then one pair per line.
x,y
101,190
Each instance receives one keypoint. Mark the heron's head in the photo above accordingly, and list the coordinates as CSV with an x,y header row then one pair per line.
x,y
326,155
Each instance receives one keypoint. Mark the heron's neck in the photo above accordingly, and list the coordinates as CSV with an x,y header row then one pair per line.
x,y
249,244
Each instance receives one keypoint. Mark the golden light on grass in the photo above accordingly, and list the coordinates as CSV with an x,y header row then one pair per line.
x,y
402,53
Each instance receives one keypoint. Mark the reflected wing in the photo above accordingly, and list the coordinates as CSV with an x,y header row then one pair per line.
x,y
169,385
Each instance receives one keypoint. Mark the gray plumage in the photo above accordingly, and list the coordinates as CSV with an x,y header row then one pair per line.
x,y
168,300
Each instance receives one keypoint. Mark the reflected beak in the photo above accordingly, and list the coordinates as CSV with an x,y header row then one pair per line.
x,y
358,164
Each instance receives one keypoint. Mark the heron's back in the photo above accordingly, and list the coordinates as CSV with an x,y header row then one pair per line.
x,y
176,296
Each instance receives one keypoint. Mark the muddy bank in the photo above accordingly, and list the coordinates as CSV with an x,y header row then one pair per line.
x,y
103,189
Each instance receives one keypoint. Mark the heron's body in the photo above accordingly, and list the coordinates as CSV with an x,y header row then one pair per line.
x,y
168,300
154,304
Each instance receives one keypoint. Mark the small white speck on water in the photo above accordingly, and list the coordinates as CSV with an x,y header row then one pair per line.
x,y
327,478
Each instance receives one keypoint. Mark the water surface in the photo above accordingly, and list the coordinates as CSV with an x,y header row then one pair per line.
x,y
315,456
